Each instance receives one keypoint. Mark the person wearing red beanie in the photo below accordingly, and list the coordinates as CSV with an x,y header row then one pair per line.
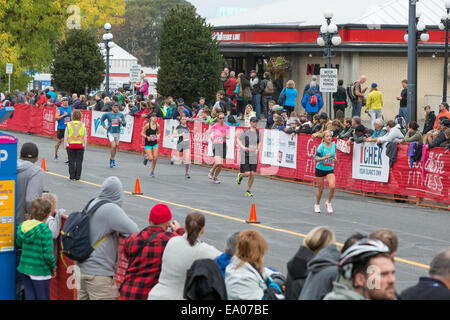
x,y
144,251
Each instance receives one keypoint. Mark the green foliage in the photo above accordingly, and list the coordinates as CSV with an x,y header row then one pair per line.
x,y
190,60
78,63
140,32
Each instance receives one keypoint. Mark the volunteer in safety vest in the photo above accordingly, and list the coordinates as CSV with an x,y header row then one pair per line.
x,y
75,142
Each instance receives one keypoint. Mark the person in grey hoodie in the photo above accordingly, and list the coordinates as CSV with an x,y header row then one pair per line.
x,y
394,133
323,270
97,272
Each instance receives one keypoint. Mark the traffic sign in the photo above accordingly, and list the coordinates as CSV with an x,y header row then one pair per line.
x,y
135,73
328,79
9,68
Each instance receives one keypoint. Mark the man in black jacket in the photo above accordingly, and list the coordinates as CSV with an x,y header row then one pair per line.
x,y
430,118
441,139
340,98
256,92
99,104
437,285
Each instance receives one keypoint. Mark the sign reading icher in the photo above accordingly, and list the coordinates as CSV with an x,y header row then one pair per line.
x,y
328,80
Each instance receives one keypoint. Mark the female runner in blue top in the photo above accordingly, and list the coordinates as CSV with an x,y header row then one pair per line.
x,y
325,158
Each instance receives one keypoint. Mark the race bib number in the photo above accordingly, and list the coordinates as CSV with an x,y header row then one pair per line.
x,y
328,162
66,119
153,137
115,122
220,139
186,136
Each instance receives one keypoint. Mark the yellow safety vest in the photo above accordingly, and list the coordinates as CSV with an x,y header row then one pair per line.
x,y
75,132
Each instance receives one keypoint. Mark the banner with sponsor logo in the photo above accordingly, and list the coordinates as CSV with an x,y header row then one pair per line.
x,y
231,144
370,162
279,149
169,141
97,130
343,145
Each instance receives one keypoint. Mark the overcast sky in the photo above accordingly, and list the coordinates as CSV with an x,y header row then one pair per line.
x,y
208,8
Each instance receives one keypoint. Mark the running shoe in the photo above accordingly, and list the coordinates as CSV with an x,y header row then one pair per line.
x,y
56,157
67,162
248,193
152,175
239,179
210,175
187,176
216,181
329,207
317,208
111,163
145,160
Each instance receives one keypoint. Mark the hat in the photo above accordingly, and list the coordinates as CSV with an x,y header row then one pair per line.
x,y
160,213
52,100
253,119
277,108
284,110
445,123
65,99
253,71
374,85
180,100
29,150
186,111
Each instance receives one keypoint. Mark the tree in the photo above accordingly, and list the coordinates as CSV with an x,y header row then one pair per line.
x,y
140,32
190,59
78,63
94,14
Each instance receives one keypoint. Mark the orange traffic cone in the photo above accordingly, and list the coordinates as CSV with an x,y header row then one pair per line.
x,y
253,218
43,166
137,188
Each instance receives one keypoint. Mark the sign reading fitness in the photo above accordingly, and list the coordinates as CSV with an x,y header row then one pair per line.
x,y
279,149
126,133
370,162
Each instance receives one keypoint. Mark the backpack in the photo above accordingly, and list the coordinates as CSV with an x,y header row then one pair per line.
x,y
75,240
269,88
351,92
313,99
282,97
247,94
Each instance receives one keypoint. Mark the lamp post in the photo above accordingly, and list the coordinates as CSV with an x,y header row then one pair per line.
x,y
445,25
416,32
107,44
328,37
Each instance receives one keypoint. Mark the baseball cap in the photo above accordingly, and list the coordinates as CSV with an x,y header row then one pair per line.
x,y
180,100
277,107
65,99
253,119
284,110
29,150
160,213
374,85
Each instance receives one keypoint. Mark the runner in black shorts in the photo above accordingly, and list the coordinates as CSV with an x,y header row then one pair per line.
x,y
249,144
151,134
184,143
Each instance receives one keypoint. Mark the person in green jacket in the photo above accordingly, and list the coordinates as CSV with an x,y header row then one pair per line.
x,y
37,263
413,133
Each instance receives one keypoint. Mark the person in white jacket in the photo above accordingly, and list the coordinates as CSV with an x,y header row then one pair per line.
x,y
246,276
178,257
394,133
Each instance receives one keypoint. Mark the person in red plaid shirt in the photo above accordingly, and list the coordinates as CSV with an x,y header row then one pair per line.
x,y
144,250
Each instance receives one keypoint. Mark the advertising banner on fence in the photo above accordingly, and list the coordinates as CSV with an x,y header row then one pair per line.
x,y
126,133
169,141
370,162
231,144
279,149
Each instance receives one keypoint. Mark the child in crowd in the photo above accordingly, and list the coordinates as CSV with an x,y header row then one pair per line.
x,y
53,221
37,263
292,117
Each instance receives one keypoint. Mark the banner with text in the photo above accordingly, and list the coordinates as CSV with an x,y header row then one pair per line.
x,y
370,162
279,149
97,130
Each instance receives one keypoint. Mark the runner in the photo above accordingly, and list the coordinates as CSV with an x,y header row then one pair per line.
x,y
63,116
182,132
249,144
151,134
220,132
325,158
115,121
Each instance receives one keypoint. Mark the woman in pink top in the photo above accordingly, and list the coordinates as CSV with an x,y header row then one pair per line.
x,y
220,133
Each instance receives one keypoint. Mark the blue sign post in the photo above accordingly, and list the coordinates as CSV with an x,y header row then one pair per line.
x,y
8,181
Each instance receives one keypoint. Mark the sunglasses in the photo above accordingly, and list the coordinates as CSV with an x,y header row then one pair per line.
x,y
221,118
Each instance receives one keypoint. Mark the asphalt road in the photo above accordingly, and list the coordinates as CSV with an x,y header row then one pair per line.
x,y
284,209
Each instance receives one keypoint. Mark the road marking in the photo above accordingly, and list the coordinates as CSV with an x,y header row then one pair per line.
x,y
413,263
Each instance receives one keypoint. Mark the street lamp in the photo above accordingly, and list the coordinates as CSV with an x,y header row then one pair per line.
x,y
107,45
328,37
416,32
445,25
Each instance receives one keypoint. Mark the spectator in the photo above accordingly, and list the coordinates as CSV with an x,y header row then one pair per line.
x,y
430,118
305,124
230,86
312,101
107,106
201,103
278,123
98,271
37,263
242,100
249,113
75,102
225,103
359,93
52,94
144,89
83,102
388,237
245,276
227,72
53,221
437,285
121,97
441,139
340,116
292,117
336,127
99,104
230,250
165,111
339,98
361,134
294,125
273,107
413,133
375,104
267,94
357,266
394,133
223,79
316,124
309,84
178,257
403,98
231,121
205,117
380,130
443,112
327,125
20,98
255,85
322,270
144,251
291,96
316,240
42,99
180,103
347,132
